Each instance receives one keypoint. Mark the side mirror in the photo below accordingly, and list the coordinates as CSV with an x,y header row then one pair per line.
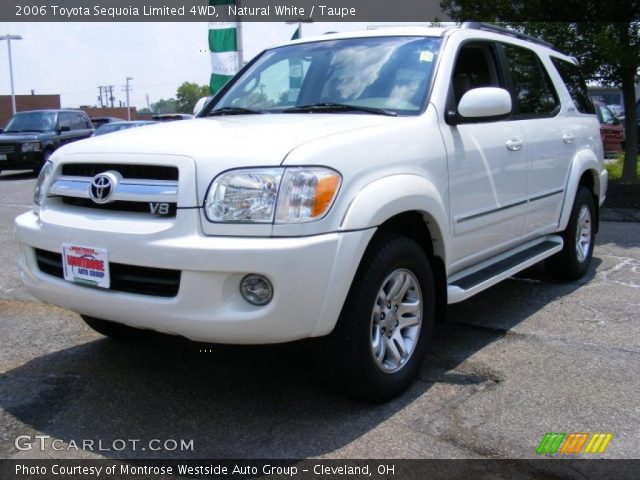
x,y
485,103
64,128
200,105
1,130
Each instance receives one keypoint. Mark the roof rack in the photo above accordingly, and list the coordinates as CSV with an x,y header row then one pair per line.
x,y
488,27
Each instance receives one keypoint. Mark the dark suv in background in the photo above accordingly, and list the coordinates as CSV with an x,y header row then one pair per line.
x,y
30,137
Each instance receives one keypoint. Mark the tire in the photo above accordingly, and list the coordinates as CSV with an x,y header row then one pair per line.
x,y
358,355
115,331
572,262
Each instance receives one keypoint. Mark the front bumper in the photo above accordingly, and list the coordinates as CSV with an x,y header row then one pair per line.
x,y
311,277
22,160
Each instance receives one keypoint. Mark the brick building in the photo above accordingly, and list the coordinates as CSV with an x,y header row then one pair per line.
x,y
26,102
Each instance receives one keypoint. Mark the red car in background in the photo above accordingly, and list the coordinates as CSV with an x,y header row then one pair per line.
x,y
611,130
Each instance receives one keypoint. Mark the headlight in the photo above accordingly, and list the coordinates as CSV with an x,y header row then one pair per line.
x,y
30,147
41,185
243,196
265,195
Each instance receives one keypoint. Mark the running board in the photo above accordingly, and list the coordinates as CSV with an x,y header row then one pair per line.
x,y
475,279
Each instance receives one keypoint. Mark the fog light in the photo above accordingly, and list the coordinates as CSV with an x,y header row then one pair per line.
x,y
256,289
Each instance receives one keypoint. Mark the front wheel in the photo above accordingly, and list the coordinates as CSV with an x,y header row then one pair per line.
x,y
381,337
572,262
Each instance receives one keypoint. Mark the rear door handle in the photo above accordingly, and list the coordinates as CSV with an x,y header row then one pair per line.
x,y
568,138
514,144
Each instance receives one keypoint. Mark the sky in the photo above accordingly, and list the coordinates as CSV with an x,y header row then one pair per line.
x,y
73,59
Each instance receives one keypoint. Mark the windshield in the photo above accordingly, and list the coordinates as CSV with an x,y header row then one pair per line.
x,y
390,73
32,122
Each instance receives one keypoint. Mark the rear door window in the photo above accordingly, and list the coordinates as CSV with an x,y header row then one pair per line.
x,y
533,93
573,79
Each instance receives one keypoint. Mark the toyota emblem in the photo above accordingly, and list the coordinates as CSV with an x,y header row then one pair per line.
x,y
102,186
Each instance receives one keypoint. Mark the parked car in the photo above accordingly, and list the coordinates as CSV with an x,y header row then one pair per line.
x,y
611,130
618,111
404,170
171,117
117,126
99,121
32,136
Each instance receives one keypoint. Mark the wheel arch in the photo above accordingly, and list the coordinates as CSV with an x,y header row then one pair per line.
x,y
585,172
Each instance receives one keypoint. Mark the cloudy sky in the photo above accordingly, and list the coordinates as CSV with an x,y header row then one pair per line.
x,y
73,59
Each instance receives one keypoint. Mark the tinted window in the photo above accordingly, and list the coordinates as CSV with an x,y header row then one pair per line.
x,y
64,119
575,83
534,95
77,121
475,68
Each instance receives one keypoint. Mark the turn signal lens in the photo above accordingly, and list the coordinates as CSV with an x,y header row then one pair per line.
x,y
306,194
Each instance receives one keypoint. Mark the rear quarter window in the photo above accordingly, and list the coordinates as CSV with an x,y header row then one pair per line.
x,y
573,79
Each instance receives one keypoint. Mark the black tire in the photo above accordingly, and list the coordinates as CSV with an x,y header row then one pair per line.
x,y
569,263
115,331
345,357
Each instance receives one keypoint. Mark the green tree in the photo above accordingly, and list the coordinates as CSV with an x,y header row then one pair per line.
x,y
609,53
164,106
188,94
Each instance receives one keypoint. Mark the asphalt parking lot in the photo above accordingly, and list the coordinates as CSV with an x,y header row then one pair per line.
x,y
524,358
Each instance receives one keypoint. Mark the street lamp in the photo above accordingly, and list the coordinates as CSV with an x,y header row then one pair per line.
x,y
8,38
127,89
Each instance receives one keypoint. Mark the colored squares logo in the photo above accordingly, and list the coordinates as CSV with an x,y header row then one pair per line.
x,y
573,443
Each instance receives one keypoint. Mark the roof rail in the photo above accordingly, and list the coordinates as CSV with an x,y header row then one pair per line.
x,y
488,27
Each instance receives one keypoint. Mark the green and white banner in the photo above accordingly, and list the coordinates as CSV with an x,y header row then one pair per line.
x,y
224,48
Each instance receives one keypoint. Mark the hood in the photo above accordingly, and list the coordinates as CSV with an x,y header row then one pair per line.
x,y
230,141
24,137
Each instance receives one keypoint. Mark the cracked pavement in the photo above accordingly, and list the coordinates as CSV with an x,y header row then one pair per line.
x,y
526,357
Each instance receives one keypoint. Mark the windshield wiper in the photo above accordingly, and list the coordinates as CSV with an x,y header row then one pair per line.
x,y
232,111
338,107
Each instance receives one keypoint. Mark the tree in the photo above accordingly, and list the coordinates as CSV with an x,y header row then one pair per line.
x,y
188,94
164,106
609,53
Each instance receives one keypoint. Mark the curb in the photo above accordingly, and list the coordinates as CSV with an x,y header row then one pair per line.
x,y
619,215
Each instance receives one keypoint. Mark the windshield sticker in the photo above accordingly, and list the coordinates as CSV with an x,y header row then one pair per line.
x,y
426,56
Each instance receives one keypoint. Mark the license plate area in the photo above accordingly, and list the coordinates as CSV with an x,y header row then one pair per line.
x,y
86,265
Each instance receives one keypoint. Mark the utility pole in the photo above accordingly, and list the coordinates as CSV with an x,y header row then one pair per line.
x,y
127,89
148,104
8,38
111,97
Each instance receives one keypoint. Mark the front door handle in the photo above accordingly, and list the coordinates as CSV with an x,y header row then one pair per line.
x,y
568,138
514,144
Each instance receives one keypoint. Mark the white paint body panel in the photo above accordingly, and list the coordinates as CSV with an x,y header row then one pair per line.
x,y
451,175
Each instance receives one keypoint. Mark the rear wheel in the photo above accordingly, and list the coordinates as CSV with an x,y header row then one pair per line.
x,y
376,349
572,262
116,331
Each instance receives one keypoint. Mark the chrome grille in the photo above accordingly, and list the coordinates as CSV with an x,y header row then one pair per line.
x,y
138,188
7,149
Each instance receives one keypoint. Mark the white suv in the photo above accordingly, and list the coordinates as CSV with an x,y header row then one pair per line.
x,y
345,187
